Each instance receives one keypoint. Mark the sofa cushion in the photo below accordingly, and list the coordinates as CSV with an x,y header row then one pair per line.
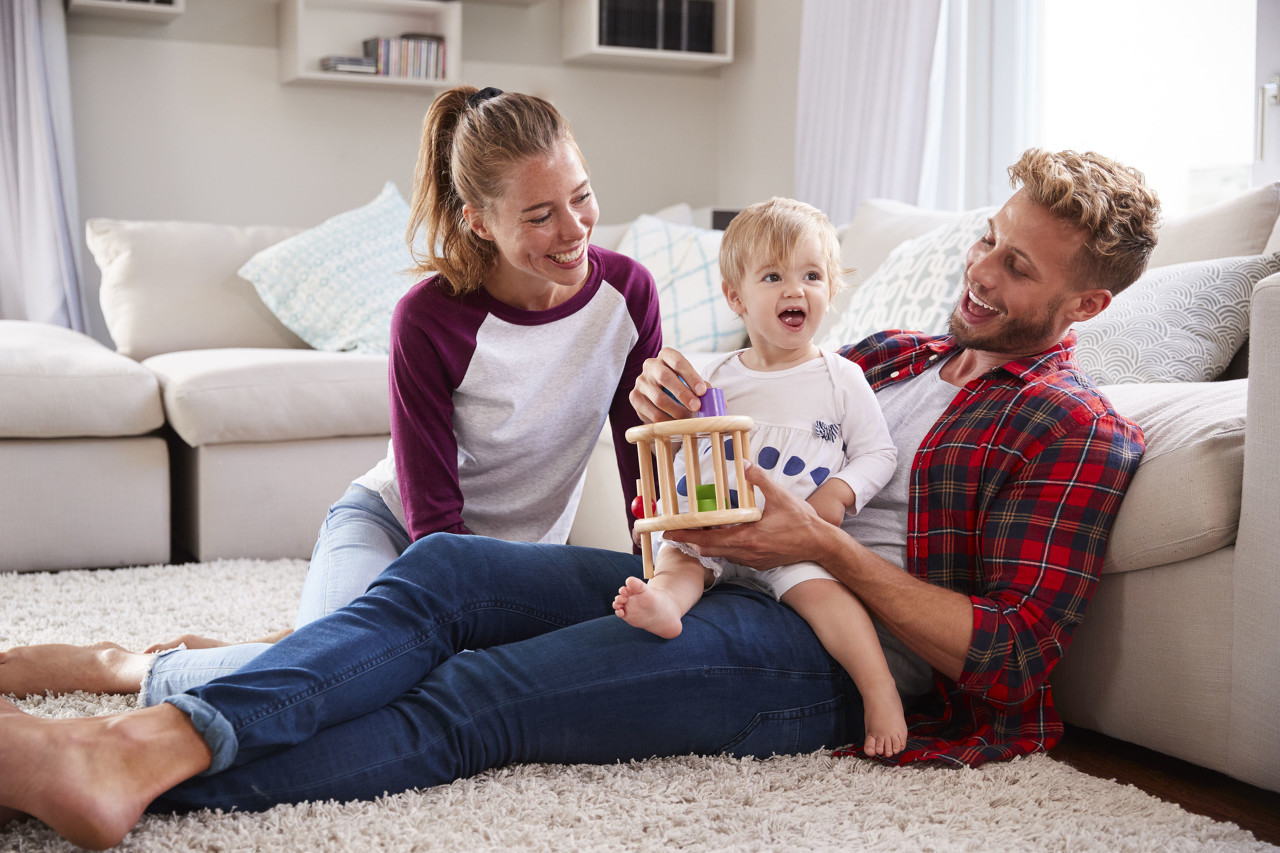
x,y
609,236
1180,323
169,286
236,395
1184,500
57,383
1237,226
915,288
685,262
337,284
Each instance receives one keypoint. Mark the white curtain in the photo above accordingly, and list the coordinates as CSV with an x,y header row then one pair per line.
x,y
862,105
39,262
982,101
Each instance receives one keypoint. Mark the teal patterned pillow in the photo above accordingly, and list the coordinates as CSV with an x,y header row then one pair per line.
x,y
1180,323
916,287
336,285
685,263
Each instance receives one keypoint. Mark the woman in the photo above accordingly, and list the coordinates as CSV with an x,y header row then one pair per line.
x,y
504,363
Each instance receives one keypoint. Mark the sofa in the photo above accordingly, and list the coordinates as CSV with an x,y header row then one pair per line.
x,y
228,433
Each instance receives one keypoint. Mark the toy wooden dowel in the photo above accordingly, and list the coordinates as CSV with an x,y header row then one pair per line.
x,y
709,504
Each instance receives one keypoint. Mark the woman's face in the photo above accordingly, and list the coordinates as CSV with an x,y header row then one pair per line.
x,y
541,225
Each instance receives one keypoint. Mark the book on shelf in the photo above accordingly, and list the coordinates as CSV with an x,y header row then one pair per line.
x,y
685,25
349,64
415,55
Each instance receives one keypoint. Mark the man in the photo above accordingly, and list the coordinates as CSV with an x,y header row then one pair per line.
x,y
1018,466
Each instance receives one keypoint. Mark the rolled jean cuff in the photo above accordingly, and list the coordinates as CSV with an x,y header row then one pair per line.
x,y
212,726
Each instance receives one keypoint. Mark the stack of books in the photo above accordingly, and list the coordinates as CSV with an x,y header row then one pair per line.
x,y
349,64
416,55
658,24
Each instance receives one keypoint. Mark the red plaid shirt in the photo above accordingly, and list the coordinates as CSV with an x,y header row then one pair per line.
x,y
1013,493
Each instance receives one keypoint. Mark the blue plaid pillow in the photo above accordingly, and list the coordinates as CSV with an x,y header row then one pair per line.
x,y
336,285
685,263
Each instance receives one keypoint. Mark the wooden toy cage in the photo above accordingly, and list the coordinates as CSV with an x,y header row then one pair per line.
x,y
708,504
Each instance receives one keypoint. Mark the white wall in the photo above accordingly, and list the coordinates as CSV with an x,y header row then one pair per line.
x,y
189,121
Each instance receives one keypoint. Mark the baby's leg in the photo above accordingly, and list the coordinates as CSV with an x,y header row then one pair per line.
x,y
658,606
846,631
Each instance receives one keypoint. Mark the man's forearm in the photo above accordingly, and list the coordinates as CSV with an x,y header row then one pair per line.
x,y
933,622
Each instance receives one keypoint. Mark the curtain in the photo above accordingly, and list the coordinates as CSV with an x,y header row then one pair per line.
x,y
982,103
862,105
39,261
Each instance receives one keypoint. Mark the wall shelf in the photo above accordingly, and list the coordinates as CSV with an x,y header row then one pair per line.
x,y
581,42
313,29
138,10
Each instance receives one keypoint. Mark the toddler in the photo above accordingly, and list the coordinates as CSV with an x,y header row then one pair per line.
x,y
818,431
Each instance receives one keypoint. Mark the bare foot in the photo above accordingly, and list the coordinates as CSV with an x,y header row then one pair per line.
x,y
100,668
649,608
886,725
91,778
8,816
191,641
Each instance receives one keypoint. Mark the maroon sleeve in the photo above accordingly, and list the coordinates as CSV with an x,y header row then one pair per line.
x,y
432,340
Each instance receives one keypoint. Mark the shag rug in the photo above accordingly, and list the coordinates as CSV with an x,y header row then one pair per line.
x,y
798,802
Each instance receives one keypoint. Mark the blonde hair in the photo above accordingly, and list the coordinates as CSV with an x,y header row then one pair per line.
x,y
1110,201
470,140
771,230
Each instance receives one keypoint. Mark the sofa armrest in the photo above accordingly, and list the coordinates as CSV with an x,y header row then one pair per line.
x,y
1255,726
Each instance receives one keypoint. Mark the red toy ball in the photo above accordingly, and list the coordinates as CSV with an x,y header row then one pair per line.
x,y
637,506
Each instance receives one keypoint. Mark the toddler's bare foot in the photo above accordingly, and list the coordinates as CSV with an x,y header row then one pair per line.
x,y
90,778
60,668
646,607
191,641
886,725
8,816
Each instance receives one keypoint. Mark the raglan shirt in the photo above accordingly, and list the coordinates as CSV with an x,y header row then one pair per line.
x,y
503,405
1012,496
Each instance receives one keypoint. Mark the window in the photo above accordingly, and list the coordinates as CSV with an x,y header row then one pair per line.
x,y
1164,85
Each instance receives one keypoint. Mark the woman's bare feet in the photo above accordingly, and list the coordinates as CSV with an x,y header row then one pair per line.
x,y
91,778
59,668
650,608
884,720
191,641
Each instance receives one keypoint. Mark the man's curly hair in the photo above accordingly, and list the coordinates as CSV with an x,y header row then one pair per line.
x,y
1110,201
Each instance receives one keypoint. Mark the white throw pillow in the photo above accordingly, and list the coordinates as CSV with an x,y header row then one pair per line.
x,y
1180,323
336,285
685,263
916,287
172,286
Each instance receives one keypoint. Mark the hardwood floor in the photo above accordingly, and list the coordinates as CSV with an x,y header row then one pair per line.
x,y
1194,788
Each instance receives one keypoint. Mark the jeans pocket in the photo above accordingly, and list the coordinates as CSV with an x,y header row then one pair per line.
x,y
791,730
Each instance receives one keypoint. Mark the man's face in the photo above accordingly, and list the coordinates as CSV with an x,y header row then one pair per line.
x,y
1018,282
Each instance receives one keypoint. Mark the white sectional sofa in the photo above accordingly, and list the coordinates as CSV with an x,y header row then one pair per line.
x,y
263,432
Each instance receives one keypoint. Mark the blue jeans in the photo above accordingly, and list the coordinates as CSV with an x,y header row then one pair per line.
x,y
375,698
359,538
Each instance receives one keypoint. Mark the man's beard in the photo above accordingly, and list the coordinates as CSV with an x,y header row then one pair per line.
x,y
1005,334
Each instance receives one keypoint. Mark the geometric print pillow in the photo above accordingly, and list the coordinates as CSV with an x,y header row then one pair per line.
x,y
685,263
915,288
1179,323
336,285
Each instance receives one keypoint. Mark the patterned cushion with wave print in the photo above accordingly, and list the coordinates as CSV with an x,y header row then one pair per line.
x,y
1180,323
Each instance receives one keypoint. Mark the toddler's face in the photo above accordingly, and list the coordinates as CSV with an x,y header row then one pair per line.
x,y
783,304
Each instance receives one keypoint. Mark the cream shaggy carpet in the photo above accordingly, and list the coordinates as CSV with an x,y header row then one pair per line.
x,y
806,802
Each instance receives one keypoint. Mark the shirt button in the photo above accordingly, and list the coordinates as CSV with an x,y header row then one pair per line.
x,y
933,357
894,375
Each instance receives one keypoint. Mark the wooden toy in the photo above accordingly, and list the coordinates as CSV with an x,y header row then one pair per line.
x,y
709,503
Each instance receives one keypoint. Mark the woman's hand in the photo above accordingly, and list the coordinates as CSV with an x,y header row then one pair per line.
x,y
660,394
789,531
